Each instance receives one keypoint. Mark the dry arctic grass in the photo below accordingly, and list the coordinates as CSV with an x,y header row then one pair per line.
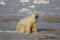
x,y
41,20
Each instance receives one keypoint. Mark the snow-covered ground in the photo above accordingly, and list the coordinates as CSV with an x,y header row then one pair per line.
x,y
42,35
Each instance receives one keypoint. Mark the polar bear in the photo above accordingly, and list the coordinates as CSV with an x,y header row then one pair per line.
x,y
27,25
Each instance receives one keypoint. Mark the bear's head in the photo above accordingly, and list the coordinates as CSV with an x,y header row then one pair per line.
x,y
35,15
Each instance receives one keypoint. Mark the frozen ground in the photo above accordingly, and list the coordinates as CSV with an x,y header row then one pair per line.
x,y
42,35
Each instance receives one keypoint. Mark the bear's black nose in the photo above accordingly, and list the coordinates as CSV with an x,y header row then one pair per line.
x,y
36,16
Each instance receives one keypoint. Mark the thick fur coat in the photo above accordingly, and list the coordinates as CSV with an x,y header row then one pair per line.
x,y
27,25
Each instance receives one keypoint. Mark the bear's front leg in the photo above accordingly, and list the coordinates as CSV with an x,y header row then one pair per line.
x,y
34,28
27,30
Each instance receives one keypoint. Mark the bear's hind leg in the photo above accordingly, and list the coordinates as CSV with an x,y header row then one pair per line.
x,y
21,29
34,28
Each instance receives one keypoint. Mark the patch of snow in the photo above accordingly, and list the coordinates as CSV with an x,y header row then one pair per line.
x,y
8,31
32,6
24,0
2,3
24,10
41,1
